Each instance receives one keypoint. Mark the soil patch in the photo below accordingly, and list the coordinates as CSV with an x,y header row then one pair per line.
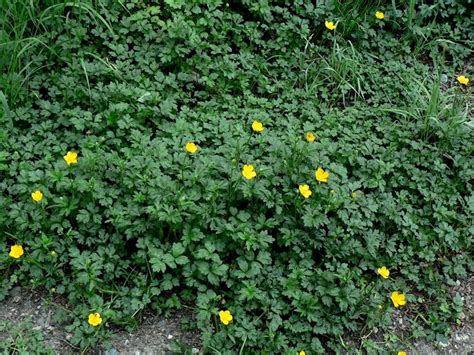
x,y
155,335
158,335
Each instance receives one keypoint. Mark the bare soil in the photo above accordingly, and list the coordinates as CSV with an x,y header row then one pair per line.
x,y
156,334
461,340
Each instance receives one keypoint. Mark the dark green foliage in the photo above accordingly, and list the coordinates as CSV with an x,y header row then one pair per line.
x,y
139,222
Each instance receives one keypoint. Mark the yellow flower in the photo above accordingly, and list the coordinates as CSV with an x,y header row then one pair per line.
x,y
401,353
398,299
330,25
94,319
37,196
463,80
53,253
302,353
257,126
310,137
354,194
305,190
191,147
16,251
225,317
384,272
248,172
321,175
71,158
380,15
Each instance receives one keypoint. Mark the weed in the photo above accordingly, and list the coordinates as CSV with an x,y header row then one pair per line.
x,y
169,143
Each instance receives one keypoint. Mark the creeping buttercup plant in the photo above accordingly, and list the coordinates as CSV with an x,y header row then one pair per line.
x,y
291,172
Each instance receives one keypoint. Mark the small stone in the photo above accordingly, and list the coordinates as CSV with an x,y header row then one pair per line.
x,y
170,336
442,344
126,342
461,337
111,351
137,352
194,350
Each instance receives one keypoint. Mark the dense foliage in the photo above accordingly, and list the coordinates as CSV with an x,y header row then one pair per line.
x,y
139,221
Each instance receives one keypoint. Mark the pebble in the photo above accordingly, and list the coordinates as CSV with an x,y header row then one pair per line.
x,y
111,351
461,337
194,350
170,336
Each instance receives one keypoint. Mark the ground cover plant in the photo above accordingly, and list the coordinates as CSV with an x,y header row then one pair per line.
x,y
21,339
292,171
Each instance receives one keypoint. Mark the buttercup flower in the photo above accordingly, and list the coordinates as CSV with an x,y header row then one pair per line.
x,y
321,175
71,158
191,147
225,317
305,190
248,171
401,353
398,299
94,319
384,272
37,196
330,25
16,251
302,353
380,15
310,137
257,126
463,80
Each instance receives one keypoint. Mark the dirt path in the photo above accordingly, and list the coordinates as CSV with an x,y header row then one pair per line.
x,y
26,312
156,335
